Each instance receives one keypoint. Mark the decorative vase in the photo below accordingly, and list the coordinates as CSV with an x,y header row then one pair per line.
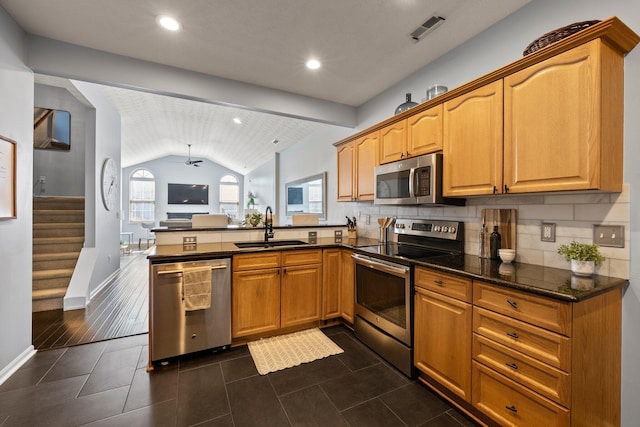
x,y
405,105
583,268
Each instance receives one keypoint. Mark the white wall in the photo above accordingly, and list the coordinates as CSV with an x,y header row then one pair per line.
x,y
172,169
63,170
104,233
261,182
311,156
16,117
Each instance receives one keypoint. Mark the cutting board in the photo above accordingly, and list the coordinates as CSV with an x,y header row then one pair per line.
x,y
506,220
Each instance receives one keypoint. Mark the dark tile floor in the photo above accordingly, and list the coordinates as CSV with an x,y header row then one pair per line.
x,y
106,384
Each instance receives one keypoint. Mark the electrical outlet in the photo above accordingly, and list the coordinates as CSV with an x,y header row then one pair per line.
x,y
189,240
609,235
548,232
42,179
368,219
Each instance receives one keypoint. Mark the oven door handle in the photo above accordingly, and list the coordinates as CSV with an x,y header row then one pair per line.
x,y
377,265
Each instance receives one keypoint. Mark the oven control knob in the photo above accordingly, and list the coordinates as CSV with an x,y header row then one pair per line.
x,y
445,229
436,228
452,229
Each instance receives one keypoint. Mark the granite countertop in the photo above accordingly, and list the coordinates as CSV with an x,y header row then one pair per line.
x,y
177,253
176,227
547,281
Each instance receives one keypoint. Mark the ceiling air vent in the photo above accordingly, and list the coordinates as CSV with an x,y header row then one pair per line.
x,y
424,29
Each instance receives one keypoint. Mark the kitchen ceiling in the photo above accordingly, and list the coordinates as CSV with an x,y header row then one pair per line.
x,y
262,42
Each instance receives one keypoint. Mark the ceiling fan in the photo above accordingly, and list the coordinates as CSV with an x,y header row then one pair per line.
x,y
189,162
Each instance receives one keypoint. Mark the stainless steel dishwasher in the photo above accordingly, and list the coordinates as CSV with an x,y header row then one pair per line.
x,y
176,330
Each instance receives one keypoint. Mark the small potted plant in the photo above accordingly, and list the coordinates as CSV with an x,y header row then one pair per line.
x,y
253,219
584,257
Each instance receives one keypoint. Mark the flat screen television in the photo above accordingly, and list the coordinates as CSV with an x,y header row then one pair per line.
x,y
188,194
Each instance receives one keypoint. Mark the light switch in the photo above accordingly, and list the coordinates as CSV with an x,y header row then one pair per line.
x,y
609,235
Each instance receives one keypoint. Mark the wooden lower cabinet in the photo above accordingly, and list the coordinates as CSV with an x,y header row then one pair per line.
x,y
301,295
256,302
512,358
331,259
442,344
273,290
347,286
511,404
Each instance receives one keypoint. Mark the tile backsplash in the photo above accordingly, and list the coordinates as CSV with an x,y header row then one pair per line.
x,y
573,213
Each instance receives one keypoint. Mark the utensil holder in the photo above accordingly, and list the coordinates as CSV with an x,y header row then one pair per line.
x,y
352,233
384,235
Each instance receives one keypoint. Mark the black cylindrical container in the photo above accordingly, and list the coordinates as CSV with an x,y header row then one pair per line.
x,y
495,242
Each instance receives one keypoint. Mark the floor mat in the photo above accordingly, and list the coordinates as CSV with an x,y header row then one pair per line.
x,y
285,351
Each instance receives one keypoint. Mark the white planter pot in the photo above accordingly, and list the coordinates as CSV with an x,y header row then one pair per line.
x,y
583,268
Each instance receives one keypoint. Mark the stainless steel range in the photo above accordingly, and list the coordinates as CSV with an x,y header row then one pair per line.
x,y
384,285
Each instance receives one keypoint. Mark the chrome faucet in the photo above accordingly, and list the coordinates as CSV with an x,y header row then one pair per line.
x,y
268,224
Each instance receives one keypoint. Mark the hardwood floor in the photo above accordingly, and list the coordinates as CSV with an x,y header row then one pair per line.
x,y
120,309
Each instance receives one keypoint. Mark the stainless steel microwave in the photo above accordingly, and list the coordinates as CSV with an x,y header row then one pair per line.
x,y
414,181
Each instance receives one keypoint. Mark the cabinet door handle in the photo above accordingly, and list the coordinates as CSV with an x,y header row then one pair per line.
x,y
495,189
513,335
506,188
438,282
512,366
513,304
511,408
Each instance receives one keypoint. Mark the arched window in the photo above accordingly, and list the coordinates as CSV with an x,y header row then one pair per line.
x,y
142,196
229,195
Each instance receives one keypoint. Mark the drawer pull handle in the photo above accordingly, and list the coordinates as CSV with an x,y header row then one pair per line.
x,y
512,365
513,335
511,408
438,282
513,304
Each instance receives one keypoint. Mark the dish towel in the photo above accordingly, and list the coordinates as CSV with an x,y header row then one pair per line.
x,y
196,288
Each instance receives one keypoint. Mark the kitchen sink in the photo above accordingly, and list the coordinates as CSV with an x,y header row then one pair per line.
x,y
269,244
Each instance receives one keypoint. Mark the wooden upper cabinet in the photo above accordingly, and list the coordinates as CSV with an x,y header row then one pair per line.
x,y
393,142
357,160
366,161
346,175
424,132
472,143
563,122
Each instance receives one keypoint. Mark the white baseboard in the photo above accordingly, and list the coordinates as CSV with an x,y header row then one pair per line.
x,y
16,363
101,286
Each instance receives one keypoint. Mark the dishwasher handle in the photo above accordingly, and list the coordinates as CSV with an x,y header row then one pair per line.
x,y
215,267
396,270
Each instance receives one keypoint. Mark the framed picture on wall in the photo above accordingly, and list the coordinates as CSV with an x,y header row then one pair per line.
x,y
7,178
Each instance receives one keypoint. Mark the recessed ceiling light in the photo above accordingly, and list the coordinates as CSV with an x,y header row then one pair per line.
x,y
168,23
313,64
237,120
275,141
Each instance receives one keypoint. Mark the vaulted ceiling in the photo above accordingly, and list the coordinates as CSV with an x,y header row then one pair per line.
x,y
364,47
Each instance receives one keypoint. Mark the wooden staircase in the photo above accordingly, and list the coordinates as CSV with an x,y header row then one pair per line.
x,y
58,237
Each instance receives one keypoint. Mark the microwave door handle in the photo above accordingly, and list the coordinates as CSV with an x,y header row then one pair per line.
x,y
412,176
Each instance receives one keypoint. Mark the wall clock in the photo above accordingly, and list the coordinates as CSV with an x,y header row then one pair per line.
x,y
110,183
